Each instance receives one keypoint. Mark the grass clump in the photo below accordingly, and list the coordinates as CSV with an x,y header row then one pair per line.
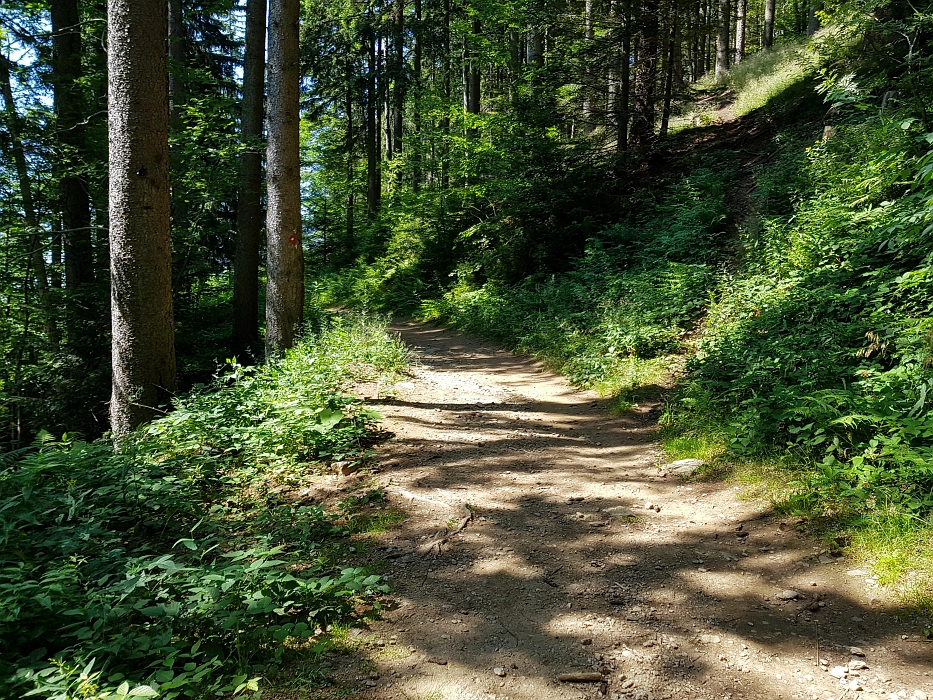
x,y
184,565
769,73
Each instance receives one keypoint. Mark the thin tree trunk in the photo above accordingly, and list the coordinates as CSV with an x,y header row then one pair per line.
x,y
143,350
646,74
589,34
36,244
475,93
178,96
740,8
767,39
249,202
722,41
445,120
399,80
69,116
373,184
669,72
351,144
625,82
416,116
284,257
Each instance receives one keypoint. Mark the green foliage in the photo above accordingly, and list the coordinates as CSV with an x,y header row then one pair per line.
x,y
173,566
629,303
820,344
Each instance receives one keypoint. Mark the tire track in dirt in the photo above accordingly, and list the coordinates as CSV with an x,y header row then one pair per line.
x,y
547,579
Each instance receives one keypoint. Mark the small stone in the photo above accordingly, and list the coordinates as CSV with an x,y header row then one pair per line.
x,y
374,675
685,467
856,651
920,695
857,665
499,671
586,642
649,506
839,672
854,685
825,559
619,512
856,572
710,639
789,594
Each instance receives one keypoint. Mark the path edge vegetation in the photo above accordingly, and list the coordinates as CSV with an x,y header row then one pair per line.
x,y
804,242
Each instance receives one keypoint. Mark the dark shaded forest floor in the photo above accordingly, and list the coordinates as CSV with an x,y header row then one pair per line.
x,y
563,569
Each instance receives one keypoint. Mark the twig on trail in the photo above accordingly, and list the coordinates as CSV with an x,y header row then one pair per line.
x,y
442,536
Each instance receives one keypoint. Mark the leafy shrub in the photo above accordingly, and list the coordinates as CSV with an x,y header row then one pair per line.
x,y
170,567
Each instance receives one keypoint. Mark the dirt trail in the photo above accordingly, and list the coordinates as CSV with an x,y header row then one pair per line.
x,y
546,580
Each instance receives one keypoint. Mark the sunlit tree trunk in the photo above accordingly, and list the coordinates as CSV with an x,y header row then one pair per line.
x,y
625,82
722,41
143,351
767,39
249,200
284,256
740,8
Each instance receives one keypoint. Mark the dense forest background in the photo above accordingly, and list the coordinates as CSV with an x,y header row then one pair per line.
x,y
725,205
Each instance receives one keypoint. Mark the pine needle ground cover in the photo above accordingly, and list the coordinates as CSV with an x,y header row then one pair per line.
x,y
178,566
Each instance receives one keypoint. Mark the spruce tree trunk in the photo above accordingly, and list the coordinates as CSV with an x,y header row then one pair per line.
x,y
249,196
646,74
589,35
285,255
143,345
69,117
722,41
767,39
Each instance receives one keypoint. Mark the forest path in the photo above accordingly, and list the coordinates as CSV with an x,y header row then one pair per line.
x,y
546,579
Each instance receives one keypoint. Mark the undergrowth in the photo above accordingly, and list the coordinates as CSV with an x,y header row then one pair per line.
x,y
186,564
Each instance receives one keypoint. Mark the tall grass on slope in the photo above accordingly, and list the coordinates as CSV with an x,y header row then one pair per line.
x,y
175,567
769,73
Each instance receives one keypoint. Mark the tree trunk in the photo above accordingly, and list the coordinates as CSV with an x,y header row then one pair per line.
x,y
740,8
474,69
722,41
351,143
767,39
249,198
416,117
143,350
284,256
69,116
589,34
625,81
646,74
673,39
36,244
399,81
373,184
